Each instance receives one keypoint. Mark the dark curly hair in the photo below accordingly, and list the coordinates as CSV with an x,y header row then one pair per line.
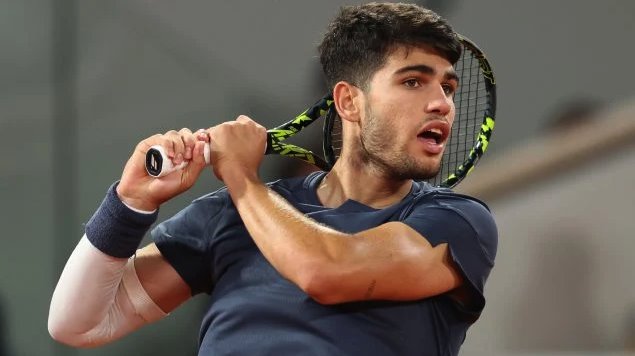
x,y
360,39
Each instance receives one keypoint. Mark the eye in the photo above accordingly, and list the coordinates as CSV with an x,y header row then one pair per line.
x,y
412,83
448,89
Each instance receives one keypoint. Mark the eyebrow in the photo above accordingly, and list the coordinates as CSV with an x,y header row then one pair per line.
x,y
425,69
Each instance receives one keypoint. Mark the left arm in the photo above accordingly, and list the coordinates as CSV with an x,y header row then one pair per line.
x,y
389,262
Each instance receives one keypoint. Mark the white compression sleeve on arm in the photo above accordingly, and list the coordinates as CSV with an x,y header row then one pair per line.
x,y
98,299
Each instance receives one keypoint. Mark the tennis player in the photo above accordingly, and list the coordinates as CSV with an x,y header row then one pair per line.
x,y
362,260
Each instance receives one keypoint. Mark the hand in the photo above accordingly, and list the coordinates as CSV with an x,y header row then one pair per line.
x,y
237,147
141,191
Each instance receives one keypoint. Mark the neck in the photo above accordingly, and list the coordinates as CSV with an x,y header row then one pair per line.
x,y
361,184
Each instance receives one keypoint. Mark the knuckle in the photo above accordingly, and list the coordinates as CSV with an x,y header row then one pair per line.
x,y
178,142
149,141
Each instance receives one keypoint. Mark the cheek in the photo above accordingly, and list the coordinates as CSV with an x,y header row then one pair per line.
x,y
399,120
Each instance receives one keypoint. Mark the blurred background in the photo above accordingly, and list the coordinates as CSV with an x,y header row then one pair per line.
x,y
82,82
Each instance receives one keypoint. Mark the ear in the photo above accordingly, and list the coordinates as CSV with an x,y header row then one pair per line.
x,y
347,99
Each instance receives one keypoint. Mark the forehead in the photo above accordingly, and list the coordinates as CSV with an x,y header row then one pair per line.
x,y
405,56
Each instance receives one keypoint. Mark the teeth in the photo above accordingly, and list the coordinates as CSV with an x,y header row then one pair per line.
x,y
436,131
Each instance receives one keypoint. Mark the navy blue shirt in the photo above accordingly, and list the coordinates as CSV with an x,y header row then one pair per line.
x,y
255,311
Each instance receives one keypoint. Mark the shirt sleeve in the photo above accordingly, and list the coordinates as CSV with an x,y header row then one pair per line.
x,y
185,240
467,226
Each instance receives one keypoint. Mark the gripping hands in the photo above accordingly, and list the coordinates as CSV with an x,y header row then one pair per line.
x,y
165,165
159,164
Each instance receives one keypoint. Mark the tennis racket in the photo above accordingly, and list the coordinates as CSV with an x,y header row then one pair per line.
x,y
158,164
475,102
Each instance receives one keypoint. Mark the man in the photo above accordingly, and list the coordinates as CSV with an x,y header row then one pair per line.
x,y
362,260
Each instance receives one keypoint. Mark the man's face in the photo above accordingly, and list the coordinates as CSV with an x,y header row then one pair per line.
x,y
408,114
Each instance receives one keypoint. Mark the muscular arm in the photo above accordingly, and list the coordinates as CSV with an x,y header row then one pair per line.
x,y
390,262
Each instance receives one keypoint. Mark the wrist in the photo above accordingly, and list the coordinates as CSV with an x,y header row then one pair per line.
x,y
133,202
115,229
238,180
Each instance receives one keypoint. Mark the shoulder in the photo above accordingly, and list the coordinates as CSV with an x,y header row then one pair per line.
x,y
200,212
469,208
297,188
286,186
467,225
422,190
465,206
291,188
438,211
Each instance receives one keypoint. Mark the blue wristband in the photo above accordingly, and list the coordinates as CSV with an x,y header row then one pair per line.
x,y
115,229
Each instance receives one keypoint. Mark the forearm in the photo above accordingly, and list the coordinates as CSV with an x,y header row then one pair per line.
x,y
98,297
87,269
293,243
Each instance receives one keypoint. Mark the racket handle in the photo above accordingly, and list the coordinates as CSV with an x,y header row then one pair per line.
x,y
158,164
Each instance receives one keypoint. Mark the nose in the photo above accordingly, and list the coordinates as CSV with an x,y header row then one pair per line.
x,y
439,103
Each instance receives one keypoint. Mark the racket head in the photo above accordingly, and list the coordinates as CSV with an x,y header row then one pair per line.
x,y
475,103
332,137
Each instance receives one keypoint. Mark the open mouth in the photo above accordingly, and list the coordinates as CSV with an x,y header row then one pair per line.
x,y
435,132
435,135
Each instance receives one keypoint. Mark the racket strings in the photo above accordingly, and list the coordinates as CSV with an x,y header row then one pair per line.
x,y
336,136
471,102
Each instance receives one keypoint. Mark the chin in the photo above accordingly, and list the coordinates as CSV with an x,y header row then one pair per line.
x,y
429,171
418,172
426,175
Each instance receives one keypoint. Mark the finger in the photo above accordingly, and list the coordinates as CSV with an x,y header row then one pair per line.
x,y
201,135
145,145
197,164
167,144
198,156
177,145
189,140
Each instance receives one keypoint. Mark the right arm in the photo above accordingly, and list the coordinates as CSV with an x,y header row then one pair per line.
x,y
100,298
106,289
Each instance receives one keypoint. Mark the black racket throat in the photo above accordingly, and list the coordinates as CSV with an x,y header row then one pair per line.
x,y
274,146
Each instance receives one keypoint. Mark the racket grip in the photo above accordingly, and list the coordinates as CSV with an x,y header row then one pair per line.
x,y
158,164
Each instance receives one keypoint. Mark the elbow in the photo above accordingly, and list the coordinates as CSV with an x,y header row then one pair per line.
x,y
57,330
321,285
59,334
62,334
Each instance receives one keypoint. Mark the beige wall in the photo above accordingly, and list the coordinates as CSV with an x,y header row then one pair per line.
x,y
564,276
